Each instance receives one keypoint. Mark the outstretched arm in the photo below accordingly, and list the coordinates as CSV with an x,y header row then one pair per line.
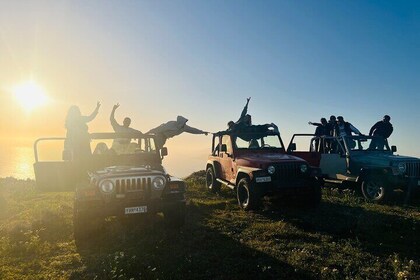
x,y
93,114
315,123
355,130
112,116
245,110
193,130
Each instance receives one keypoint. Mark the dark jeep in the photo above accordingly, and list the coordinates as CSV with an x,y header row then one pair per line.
x,y
125,180
357,161
258,167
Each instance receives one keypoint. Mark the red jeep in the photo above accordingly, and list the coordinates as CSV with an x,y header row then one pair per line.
x,y
256,165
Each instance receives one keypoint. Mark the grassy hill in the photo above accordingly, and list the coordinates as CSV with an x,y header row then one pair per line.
x,y
344,238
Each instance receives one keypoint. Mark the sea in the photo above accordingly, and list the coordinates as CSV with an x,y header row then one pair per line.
x,y
16,159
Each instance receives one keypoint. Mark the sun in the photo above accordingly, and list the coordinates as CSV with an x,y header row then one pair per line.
x,y
30,95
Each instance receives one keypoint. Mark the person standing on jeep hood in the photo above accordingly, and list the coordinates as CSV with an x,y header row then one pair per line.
x,y
77,143
244,119
173,128
383,129
345,128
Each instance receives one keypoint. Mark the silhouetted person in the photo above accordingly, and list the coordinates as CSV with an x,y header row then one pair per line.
x,y
344,128
332,122
77,143
120,144
322,129
125,127
173,128
244,119
382,129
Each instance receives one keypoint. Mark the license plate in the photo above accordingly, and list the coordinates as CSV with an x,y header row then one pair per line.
x,y
263,179
135,210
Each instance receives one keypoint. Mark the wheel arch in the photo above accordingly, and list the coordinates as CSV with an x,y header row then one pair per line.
x,y
217,169
245,172
368,173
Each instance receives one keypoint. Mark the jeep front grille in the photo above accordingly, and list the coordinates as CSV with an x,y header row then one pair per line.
x,y
287,170
413,169
124,185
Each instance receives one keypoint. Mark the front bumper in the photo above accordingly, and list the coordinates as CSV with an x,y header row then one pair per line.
x,y
296,186
117,207
405,182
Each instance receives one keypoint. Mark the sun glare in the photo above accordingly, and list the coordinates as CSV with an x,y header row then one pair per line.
x,y
30,95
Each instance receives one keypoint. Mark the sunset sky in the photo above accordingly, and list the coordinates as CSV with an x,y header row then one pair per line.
x,y
298,60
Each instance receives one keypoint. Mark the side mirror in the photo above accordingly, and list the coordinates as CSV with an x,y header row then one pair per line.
x,y
163,152
292,147
394,149
223,148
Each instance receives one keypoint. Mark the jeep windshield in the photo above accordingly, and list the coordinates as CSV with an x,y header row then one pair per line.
x,y
261,143
365,143
122,144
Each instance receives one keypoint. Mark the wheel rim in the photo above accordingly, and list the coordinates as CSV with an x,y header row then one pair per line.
x,y
374,190
243,195
209,180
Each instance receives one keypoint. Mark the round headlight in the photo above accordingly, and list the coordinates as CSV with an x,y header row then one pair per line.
x,y
402,167
303,168
158,183
271,169
107,186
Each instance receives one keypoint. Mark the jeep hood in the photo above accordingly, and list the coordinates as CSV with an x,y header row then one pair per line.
x,y
125,171
265,159
382,159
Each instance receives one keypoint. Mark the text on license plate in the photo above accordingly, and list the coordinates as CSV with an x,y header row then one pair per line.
x,y
135,210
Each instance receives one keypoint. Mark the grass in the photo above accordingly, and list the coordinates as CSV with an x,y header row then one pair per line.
x,y
344,238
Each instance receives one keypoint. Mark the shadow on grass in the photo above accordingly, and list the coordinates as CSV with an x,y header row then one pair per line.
x,y
146,249
380,234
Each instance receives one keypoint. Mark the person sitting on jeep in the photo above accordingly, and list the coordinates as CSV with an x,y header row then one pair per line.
x,y
253,144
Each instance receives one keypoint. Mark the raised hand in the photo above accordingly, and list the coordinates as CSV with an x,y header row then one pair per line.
x,y
116,106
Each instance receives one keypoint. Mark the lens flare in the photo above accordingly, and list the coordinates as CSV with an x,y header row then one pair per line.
x,y
30,95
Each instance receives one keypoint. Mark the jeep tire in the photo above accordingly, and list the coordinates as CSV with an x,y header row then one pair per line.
x,y
376,190
211,183
247,195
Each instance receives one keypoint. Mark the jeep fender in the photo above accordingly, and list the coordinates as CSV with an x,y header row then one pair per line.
x,y
217,168
245,172
366,173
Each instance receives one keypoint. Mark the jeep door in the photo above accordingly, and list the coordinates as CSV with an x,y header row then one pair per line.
x,y
226,158
334,162
51,172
